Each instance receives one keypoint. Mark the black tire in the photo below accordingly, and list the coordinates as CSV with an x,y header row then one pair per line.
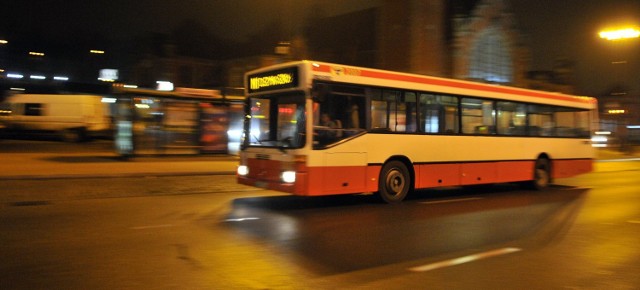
x,y
72,135
541,174
394,182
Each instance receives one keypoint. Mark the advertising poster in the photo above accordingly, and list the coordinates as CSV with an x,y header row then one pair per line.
x,y
214,122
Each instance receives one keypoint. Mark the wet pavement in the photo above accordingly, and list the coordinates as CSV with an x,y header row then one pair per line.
x,y
52,165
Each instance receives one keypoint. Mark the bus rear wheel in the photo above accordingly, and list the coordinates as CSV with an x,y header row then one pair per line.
x,y
541,174
394,182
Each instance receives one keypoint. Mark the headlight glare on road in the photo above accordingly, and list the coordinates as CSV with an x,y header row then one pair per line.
x,y
289,176
243,170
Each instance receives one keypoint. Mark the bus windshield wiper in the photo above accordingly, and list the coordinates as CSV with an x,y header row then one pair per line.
x,y
257,139
286,142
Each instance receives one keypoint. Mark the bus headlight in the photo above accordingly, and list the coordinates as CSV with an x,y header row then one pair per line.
x,y
289,176
243,170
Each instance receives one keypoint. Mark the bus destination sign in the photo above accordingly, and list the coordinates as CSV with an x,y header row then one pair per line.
x,y
273,80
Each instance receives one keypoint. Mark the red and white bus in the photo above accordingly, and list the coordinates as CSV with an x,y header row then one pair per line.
x,y
314,128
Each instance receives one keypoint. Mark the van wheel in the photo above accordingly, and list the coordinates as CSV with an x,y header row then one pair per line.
x,y
541,174
394,182
72,135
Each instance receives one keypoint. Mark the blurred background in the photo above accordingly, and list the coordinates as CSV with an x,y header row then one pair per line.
x,y
546,45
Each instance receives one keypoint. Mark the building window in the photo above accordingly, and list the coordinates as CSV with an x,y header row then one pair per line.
x,y
490,59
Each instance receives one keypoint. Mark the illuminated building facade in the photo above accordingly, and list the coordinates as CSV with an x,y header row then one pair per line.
x,y
464,39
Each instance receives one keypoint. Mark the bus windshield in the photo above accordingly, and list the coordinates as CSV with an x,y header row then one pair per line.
x,y
276,121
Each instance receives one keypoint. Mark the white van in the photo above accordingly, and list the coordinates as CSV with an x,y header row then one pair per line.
x,y
74,117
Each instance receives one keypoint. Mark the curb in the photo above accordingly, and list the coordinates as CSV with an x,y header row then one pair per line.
x,y
114,175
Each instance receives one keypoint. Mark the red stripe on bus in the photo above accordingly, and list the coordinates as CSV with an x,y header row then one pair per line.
x,y
453,174
357,179
458,84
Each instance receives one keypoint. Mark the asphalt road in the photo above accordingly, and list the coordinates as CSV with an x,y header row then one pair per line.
x,y
210,233
49,144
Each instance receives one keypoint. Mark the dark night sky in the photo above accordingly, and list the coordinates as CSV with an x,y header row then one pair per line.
x,y
569,29
552,29
228,18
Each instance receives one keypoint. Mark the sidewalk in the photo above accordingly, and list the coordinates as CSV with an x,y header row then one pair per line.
x,y
87,165
611,160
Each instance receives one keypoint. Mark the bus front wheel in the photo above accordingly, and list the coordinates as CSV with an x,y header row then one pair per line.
x,y
394,182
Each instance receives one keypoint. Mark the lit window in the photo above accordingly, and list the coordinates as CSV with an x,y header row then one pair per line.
x,y
490,58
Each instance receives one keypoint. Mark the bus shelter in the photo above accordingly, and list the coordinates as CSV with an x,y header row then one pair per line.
x,y
184,121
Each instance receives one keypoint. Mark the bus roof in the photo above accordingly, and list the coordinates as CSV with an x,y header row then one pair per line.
x,y
383,78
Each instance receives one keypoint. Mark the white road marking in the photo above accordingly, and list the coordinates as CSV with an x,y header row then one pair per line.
x,y
451,200
151,227
465,259
575,188
241,219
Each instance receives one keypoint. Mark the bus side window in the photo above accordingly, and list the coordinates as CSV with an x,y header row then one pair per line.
x,y
541,121
511,118
409,100
438,114
354,116
477,116
567,123
431,110
582,123
396,115
379,110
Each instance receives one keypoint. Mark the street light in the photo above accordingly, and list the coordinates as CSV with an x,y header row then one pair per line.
x,y
620,34
622,117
